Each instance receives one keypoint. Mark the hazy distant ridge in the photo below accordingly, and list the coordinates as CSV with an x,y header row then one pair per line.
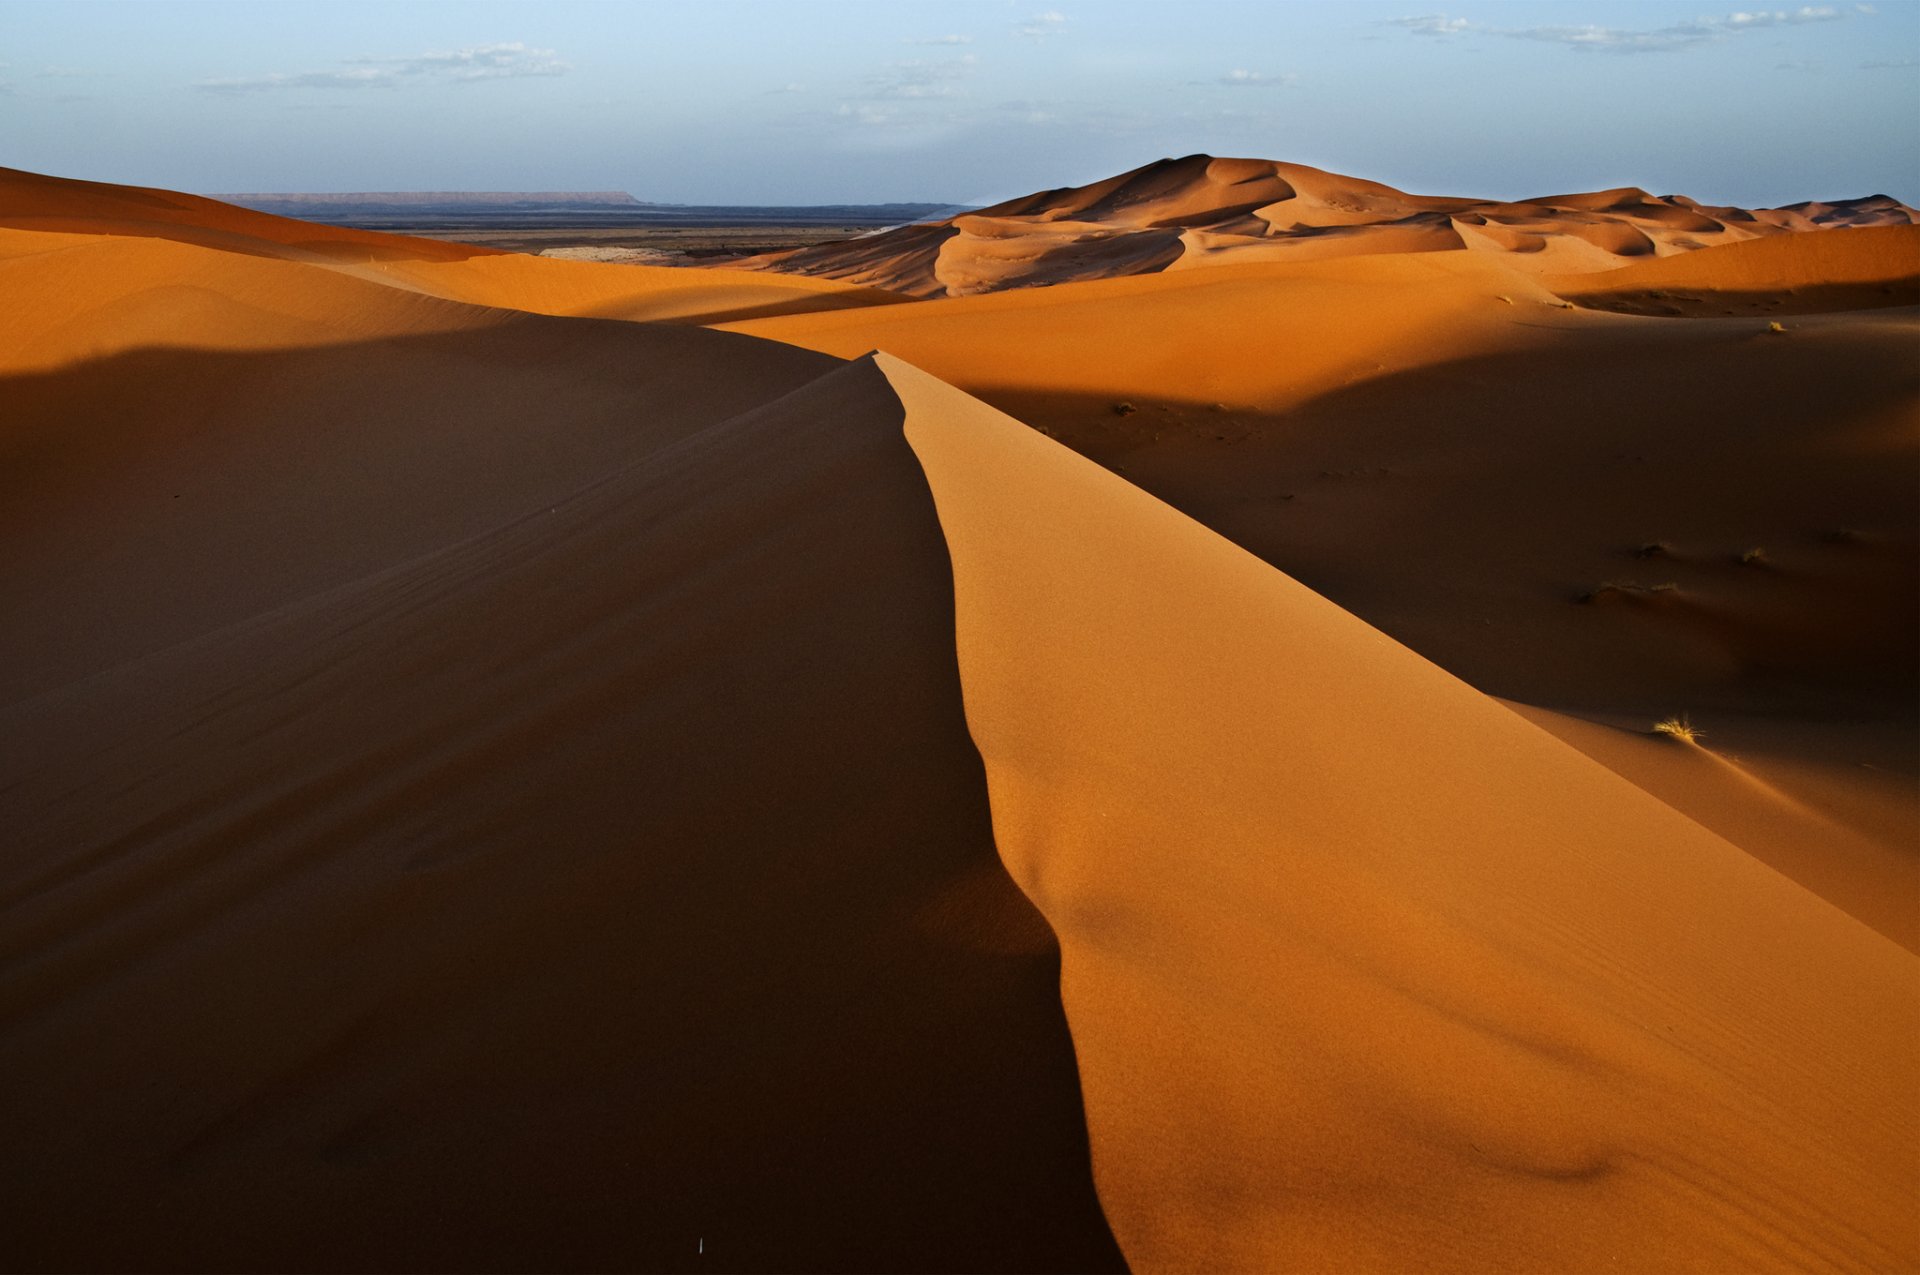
x,y
413,198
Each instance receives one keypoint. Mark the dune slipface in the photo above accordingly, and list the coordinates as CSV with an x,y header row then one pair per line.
x,y
487,791
1366,973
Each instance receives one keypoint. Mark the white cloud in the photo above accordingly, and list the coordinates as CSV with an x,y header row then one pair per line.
x,y
1890,64
1667,39
787,88
1433,24
1043,25
942,39
457,66
1238,78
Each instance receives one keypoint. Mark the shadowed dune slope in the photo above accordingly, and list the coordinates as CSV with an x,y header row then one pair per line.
x,y
1366,973
192,436
608,887
1175,214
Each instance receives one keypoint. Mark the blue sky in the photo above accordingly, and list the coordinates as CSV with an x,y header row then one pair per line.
x,y
738,101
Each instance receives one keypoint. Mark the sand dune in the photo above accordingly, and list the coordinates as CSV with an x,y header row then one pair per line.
x,y
30,202
1349,989
495,784
561,881
1437,446
1200,211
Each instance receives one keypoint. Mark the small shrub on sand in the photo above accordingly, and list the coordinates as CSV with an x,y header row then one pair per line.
x,y
1124,409
1754,557
1654,549
1679,728
1776,326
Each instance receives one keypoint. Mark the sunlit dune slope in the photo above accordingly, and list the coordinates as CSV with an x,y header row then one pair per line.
x,y
39,206
34,201
1176,214
1620,517
1788,792
1264,335
1366,973
576,858
1793,274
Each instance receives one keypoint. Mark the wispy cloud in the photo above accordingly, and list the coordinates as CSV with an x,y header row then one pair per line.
x,y
1436,24
1042,26
1243,79
472,64
1890,64
921,78
942,39
787,88
1667,39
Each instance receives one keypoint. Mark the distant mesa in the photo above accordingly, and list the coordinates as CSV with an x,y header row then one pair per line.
x,y
1177,214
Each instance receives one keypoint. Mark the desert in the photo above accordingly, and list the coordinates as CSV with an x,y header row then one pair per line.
x,y
1218,717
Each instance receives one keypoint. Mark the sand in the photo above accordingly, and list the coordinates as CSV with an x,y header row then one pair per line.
x,y
517,763
1196,211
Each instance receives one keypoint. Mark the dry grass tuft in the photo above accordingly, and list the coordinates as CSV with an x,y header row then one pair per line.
x,y
1776,326
1679,728
1754,557
1124,409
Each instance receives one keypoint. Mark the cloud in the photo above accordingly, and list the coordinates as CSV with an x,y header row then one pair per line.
x,y
787,88
1801,64
1890,64
942,39
1667,39
1241,79
1433,24
1042,25
921,78
457,66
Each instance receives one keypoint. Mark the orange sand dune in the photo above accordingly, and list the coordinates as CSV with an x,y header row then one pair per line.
x,y
34,204
33,201
1264,335
494,784
1198,210
1787,274
1364,972
1621,518
473,803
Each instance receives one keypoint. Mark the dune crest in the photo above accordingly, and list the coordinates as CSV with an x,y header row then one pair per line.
x,y
1176,214
1363,971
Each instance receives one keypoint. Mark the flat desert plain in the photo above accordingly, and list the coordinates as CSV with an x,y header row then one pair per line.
x,y
1230,719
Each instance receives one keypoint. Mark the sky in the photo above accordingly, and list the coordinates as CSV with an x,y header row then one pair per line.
x,y
798,102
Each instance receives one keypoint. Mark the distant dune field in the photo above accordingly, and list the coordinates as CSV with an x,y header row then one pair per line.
x,y
869,764
1177,214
